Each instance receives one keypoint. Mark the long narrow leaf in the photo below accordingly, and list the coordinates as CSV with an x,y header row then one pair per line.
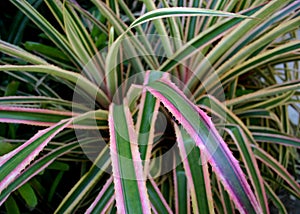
x,y
271,162
104,199
36,168
130,185
196,170
86,183
32,116
20,53
73,77
181,11
158,201
200,127
14,162
146,123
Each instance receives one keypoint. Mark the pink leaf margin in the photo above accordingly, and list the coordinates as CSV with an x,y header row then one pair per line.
x,y
141,181
201,144
14,173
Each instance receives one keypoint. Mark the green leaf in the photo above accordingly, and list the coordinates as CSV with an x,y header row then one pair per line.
x,y
11,206
73,77
13,163
86,183
28,194
35,168
130,184
181,11
18,52
200,127
47,28
196,170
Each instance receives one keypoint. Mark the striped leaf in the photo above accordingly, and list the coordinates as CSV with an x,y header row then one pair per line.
x,y
181,11
86,183
32,116
47,28
271,162
13,163
200,127
149,16
158,202
129,180
20,53
196,170
104,199
243,138
47,117
73,77
36,168
145,126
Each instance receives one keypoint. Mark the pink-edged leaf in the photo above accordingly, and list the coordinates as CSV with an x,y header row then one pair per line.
x,y
35,168
104,199
243,139
181,190
13,163
47,117
87,182
277,138
129,180
148,110
201,129
196,170
32,116
158,202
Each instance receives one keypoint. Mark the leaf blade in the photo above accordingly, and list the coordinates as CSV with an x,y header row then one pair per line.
x,y
130,186
201,129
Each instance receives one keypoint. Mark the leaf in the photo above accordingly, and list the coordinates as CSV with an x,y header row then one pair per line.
x,y
130,183
73,77
153,15
35,168
148,110
231,38
271,162
32,116
196,170
275,199
181,190
11,206
13,163
27,193
47,117
275,89
16,51
104,199
44,101
158,201
86,183
203,39
202,130
181,11
276,138
244,139
47,28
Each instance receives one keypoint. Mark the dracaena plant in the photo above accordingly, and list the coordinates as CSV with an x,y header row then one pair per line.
x,y
150,107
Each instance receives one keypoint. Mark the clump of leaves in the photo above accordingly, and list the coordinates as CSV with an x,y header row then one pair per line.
x,y
186,110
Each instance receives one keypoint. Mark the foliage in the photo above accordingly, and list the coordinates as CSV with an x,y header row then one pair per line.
x,y
161,106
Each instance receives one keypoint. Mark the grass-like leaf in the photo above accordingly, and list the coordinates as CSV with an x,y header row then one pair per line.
x,y
196,169
129,179
201,129
14,162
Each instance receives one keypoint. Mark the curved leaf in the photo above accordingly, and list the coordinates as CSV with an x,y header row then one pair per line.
x,y
200,127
